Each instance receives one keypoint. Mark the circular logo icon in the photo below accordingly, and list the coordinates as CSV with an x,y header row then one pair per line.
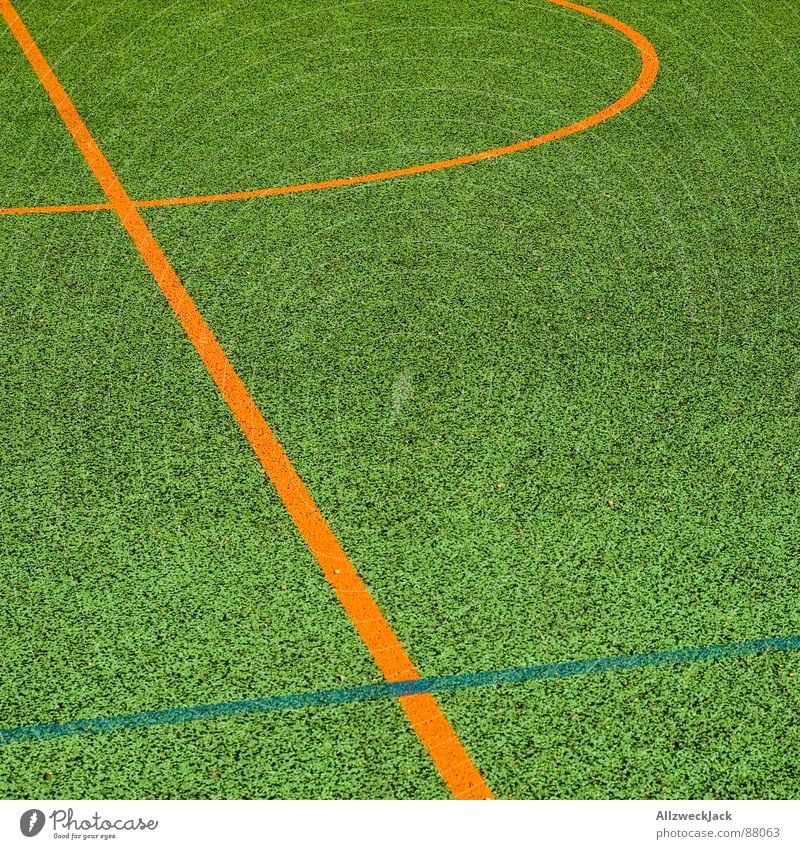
x,y
31,822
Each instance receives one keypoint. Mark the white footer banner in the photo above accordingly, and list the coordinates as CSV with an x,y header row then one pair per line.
x,y
386,824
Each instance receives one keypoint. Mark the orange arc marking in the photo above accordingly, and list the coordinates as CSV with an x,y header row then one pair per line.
x,y
423,712
644,81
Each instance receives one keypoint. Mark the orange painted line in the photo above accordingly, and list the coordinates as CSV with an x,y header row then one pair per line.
x,y
422,711
641,86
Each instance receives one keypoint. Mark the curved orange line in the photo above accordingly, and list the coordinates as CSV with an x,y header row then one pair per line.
x,y
644,81
422,710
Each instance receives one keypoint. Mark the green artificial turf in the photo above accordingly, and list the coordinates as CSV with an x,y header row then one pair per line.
x,y
726,730
244,95
346,752
39,164
146,563
548,403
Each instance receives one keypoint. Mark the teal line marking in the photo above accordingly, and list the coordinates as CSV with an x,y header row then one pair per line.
x,y
374,692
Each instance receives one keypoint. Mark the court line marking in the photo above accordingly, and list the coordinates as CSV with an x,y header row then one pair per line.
x,y
423,712
391,690
643,83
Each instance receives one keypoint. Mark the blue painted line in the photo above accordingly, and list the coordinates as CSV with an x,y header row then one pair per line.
x,y
374,692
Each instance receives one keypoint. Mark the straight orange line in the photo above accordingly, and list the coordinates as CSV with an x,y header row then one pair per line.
x,y
423,712
646,78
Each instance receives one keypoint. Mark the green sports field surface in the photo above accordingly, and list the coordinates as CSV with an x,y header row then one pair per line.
x,y
549,403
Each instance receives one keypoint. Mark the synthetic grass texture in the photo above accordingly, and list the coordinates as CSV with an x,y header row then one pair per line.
x,y
723,730
394,689
145,561
38,161
351,751
670,716
548,403
243,95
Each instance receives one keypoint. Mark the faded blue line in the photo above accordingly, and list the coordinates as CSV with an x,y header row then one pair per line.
x,y
374,692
